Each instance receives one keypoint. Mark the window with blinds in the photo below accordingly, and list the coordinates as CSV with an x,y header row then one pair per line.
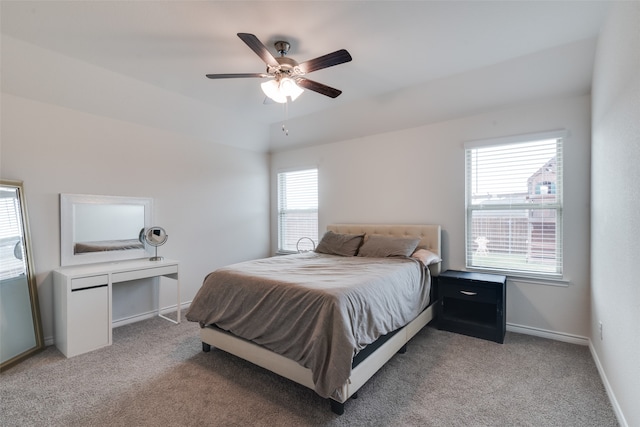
x,y
514,204
297,209
11,248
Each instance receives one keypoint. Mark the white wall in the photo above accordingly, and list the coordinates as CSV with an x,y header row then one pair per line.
x,y
212,199
416,175
615,206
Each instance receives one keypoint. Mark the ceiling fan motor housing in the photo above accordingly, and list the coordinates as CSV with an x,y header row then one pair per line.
x,y
288,66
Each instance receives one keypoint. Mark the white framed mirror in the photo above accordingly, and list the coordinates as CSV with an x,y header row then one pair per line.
x,y
20,324
102,228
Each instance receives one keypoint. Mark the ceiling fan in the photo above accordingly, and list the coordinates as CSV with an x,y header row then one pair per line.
x,y
286,76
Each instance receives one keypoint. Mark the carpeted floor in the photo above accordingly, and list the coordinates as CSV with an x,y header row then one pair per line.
x,y
155,373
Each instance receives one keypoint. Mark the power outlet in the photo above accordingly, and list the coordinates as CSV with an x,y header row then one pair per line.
x,y
600,325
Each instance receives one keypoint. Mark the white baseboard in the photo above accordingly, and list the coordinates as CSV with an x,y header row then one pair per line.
x,y
544,333
150,314
612,397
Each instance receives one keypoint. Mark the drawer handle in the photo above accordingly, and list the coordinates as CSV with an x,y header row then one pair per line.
x,y
469,293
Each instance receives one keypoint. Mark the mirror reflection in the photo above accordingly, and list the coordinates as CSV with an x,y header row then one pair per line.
x,y
106,227
116,222
20,328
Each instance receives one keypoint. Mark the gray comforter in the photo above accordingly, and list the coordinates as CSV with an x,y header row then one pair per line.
x,y
318,310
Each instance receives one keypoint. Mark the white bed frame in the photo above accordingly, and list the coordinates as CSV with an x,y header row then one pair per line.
x,y
430,237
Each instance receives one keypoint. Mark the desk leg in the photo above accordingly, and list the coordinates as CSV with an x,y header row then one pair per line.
x,y
175,277
178,296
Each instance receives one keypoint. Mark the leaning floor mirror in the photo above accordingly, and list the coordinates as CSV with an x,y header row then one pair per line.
x,y
20,324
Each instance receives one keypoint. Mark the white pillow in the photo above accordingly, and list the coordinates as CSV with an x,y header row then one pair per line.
x,y
426,256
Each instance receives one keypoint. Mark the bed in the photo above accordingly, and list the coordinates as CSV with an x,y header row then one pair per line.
x,y
325,319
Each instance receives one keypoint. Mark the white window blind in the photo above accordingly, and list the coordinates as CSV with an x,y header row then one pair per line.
x,y
11,248
297,209
514,205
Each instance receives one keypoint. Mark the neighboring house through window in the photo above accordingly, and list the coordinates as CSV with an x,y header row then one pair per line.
x,y
514,204
297,209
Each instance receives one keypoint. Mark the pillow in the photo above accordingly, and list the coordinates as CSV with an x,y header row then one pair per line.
x,y
339,244
426,256
383,246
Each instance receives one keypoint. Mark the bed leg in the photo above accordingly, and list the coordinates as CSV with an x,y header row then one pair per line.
x,y
206,347
403,349
336,407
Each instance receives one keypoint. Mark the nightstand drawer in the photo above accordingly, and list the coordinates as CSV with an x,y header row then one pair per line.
x,y
467,291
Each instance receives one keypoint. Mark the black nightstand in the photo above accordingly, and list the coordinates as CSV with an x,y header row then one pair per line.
x,y
472,304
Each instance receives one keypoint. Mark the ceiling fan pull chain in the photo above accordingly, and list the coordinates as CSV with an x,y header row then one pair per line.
x,y
286,117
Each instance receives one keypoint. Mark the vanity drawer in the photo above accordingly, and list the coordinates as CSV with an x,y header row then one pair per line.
x,y
89,282
125,276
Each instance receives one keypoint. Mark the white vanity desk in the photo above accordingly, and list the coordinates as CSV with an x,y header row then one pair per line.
x,y
82,297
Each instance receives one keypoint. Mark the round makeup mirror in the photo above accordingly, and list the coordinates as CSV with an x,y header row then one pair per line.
x,y
305,244
154,236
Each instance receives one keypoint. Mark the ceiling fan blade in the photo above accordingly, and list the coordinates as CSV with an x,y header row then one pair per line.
x,y
236,75
329,60
259,48
318,87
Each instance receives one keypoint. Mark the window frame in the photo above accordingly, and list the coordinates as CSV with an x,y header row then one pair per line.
x,y
557,205
282,246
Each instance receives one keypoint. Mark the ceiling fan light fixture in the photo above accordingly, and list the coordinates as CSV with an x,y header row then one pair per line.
x,y
288,87
280,90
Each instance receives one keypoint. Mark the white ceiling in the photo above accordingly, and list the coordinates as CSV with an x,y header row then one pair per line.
x,y
403,52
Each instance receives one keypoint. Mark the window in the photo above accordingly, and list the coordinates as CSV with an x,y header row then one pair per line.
x,y
297,208
11,245
514,204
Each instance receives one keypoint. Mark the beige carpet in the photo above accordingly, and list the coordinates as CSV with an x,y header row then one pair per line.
x,y
155,373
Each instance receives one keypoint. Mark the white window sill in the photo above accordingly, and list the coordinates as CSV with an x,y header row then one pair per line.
x,y
539,281
527,280
278,253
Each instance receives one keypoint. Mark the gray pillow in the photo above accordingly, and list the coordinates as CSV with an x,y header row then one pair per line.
x,y
383,246
339,244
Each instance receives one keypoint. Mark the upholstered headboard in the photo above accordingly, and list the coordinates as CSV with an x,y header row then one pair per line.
x,y
430,235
